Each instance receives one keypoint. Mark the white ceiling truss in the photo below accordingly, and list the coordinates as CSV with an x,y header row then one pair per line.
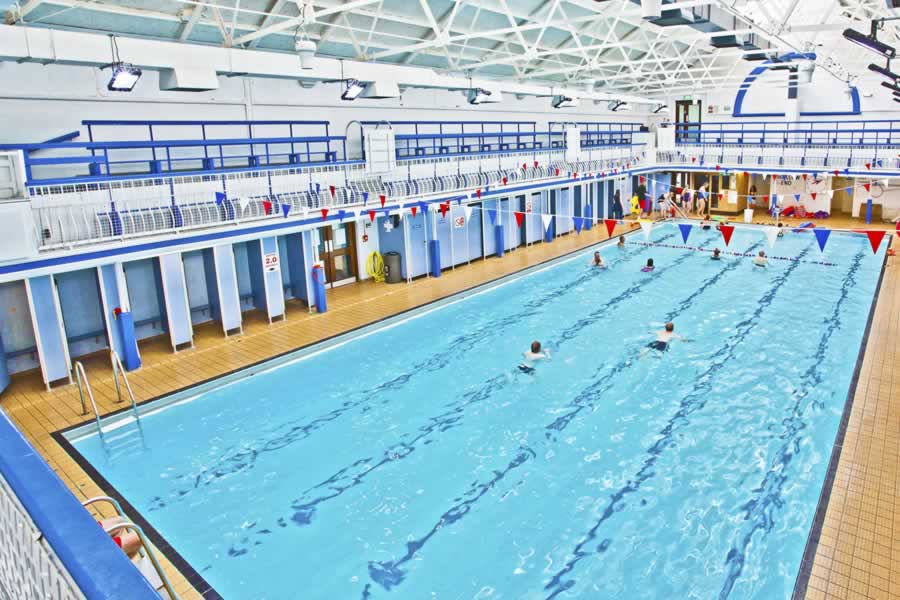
x,y
601,44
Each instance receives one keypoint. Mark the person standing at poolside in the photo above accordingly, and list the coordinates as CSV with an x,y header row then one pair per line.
x,y
618,209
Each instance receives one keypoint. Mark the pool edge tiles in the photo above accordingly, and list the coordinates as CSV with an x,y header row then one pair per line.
x,y
801,584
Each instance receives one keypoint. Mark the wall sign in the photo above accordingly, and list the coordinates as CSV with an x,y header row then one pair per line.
x,y
270,262
459,222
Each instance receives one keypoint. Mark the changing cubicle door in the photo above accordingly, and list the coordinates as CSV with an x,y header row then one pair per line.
x,y
337,251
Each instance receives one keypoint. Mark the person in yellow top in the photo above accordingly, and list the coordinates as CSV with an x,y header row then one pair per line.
x,y
635,206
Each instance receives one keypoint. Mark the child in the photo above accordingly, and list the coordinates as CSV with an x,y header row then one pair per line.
x,y
533,356
780,230
717,254
761,260
649,266
621,243
598,261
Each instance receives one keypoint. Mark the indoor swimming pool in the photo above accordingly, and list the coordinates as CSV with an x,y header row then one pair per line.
x,y
416,461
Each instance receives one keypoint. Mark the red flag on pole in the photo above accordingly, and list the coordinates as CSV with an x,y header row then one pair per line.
x,y
324,213
414,209
382,198
727,230
371,216
267,206
610,226
519,217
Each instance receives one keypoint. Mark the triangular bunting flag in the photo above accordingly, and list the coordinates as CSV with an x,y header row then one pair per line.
x,y
772,234
804,177
478,193
519,218
875,238
610,226
285,208
324,213
647,227
868,186
575,175
822,237
685,231
242,204
383,199
836,172
414,209
444,209
797,197
727,230
372,216
504,181
813,195
524,166
331,189
545,219
468,210
493,215
220,197
868,165
579,223
557,172
535,164
365,198
267,206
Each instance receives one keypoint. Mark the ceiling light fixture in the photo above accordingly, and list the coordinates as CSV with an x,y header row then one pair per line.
x,y
124,75
885,71
479,96
562,101
662,108
871,42
352,89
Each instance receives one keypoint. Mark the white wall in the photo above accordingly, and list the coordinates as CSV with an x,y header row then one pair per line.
x,y
40,102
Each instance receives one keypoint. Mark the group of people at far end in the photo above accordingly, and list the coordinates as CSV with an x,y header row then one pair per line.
x,y
668,203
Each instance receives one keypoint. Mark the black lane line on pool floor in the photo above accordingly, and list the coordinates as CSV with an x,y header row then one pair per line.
x,y
159,542
199,583
388,574
557,585
299,429
305,509
815,533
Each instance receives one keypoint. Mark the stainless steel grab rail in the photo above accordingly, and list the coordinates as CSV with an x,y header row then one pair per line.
x,y
118,369
84,384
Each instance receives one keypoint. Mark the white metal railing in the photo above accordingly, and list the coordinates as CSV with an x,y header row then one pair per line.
x,y
824,157
67,216
29,568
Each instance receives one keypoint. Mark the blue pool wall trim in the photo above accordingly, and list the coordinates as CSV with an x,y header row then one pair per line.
x,y
99,568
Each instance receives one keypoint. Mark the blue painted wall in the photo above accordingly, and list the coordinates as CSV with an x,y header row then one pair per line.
x,y
79,299
393,240
16,329
245,286
197,287
145,297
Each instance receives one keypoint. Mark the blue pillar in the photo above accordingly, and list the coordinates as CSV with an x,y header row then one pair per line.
x,y
4,370
548,231
318,282
434,249
117,315
499,239
50,337
588,216
868,211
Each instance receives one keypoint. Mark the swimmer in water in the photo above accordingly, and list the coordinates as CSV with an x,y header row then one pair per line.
x,y
649,267
761,260
532,356
597,261
717,254
780,230
663,339
621,243
704,224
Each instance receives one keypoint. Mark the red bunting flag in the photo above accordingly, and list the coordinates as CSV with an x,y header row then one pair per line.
x,y
382,198
727,230
610,226
765,199
444,209
478,192
717,167
524,166
813,194
267,206
721,195
868,186
331,189
836,172
504,181
414,209
575,175
324,213
519,217
875,238
535,164
693,159
868,165
372,216
746,173
641,179
557,172
804,177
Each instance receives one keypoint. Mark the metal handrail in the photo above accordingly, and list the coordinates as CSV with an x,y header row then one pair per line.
x,y
83,384
117,370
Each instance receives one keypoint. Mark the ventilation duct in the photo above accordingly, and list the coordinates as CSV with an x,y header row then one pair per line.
x,y
188,79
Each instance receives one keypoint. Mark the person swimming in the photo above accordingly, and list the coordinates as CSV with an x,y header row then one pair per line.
x,y
704,224
532,356
597,261
649,267
761,260
717,254
780,230
663,339
621,243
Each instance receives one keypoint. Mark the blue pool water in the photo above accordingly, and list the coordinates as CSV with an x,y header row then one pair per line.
x,y
417,463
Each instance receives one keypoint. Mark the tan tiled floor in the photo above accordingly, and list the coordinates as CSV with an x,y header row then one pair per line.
x,y
859,552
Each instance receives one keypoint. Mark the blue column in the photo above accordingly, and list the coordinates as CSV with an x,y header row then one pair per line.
x,y
434,249
50,337
174,290
308,260
117,315
499,239
868,211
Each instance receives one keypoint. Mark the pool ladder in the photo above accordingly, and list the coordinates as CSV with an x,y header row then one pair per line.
x,y
84,388
147,562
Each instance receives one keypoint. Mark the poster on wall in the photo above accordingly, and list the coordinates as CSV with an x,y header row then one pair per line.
x,y
459,222
270,262
528,206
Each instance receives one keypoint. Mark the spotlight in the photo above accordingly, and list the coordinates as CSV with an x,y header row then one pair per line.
x,y
124,77
618,105
483,96
869,42
891,86
886,73
352,89
306,50
662,108
564,101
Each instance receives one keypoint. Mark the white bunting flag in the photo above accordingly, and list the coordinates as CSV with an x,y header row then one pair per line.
x,y
772,234
242,204
546,221
647,227
831,193
468,210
